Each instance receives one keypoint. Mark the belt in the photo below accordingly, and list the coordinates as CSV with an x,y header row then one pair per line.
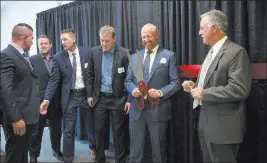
x,y
78,90
108,94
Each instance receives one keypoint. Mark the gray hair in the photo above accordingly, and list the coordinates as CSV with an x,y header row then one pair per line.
x,y
107,30
217,17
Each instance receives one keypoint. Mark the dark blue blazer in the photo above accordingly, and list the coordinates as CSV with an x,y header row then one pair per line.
x,y
62,75
163,76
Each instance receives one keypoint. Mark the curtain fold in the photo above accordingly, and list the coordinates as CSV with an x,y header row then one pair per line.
x,y
178,25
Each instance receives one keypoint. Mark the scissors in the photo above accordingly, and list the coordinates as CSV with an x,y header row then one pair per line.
x,y
142,86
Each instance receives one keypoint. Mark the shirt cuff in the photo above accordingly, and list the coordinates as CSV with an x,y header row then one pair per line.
x,y
161,94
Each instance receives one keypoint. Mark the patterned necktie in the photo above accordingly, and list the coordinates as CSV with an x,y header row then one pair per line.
x,y
204,69
74,66
146,66
26,56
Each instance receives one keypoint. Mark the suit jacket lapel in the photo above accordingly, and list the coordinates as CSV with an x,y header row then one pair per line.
x,y
42,64
24,60
155,63
215,62
67,59
115,58
99,62
82,59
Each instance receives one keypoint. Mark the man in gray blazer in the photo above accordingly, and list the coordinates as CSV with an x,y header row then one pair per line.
x,y
220,92
161,77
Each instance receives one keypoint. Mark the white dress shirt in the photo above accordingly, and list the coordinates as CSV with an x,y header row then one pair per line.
x,y
152,56
79,84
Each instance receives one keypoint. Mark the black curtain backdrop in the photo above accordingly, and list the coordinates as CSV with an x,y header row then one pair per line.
x,y
178,26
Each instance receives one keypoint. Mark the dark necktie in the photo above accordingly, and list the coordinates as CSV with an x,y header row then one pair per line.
x,y
146,66
26,56
74,66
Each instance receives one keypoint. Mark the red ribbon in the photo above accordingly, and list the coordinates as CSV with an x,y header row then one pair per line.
x,y
259,70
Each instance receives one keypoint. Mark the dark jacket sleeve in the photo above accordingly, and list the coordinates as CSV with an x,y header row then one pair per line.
x,y
7,95
90,76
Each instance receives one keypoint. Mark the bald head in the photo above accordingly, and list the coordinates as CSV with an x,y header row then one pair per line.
x,y
149,27
20,30
149,36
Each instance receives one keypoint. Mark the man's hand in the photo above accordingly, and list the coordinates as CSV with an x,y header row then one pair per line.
x,y
90,101
155,93
197,93
136,93
127,107
19,127
43,107
188,86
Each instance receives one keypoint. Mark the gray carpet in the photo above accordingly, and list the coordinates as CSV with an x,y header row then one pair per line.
x,y
81,150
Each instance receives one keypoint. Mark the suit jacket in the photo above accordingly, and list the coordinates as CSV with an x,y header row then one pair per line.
x,y
94,69
163,76
62,75
39,66
19,88
226,87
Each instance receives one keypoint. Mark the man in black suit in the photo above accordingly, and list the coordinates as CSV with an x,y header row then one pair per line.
x,y
42,64
68,73
20,94
105,75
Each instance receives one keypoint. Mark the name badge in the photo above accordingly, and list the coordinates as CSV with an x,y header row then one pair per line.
x,y
163,60
85,65
121,70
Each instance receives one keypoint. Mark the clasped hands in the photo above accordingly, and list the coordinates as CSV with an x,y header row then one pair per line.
x,y
196,92
152,93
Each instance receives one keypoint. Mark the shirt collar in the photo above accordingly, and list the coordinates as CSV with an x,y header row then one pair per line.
x,y
21,51
217,46
153,50
44,56
76,51
112,50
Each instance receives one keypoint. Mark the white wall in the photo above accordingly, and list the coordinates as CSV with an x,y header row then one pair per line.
x,y
22,12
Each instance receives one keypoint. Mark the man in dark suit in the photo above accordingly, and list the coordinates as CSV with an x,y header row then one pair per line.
x,y
42,64
161,76
68,73
220,92
106,72
20,94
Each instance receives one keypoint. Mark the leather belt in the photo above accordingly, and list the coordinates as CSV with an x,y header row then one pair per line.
x,y
107,94
78,90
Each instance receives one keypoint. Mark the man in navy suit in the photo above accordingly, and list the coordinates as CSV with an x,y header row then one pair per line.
x,y
161,76
68,73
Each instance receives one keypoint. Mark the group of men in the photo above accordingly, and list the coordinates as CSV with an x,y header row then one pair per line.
x,y
103,83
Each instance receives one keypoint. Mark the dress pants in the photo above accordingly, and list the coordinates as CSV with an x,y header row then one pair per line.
x,y
17,146
157,132
54,123
105,108
77,100
213,152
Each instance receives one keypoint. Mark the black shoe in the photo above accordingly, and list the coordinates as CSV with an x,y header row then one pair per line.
x,y
58,155
33,160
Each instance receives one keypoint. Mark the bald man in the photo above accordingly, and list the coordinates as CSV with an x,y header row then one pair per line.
x,y
20,94
161,76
